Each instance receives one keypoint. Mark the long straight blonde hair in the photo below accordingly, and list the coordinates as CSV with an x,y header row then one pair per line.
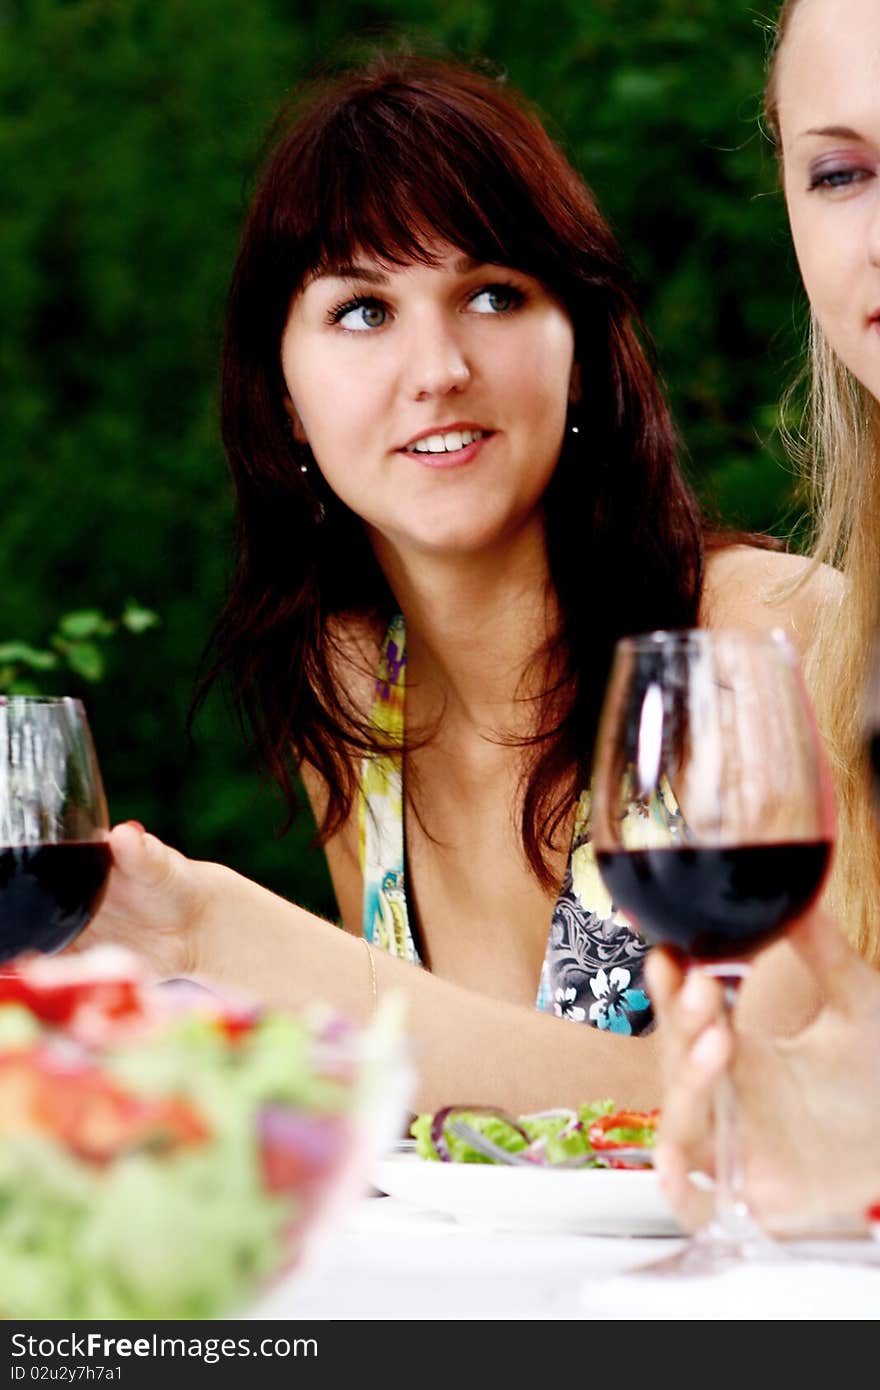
x,y
837,446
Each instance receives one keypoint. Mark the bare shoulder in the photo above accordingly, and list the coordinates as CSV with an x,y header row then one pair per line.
x,y
748,587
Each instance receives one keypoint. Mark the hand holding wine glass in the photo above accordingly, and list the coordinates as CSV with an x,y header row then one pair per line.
x,y
155,903
809,1125
712,823
54,855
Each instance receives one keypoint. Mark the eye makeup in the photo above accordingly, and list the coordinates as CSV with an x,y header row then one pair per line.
x,y
504,298
838,172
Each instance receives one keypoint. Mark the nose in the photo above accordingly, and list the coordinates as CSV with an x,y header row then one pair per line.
x,y
436,362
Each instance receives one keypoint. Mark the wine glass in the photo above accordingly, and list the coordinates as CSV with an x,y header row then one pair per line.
x,y
713,824
54,850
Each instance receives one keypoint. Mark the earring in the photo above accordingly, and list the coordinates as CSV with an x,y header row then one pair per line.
x,y
318,509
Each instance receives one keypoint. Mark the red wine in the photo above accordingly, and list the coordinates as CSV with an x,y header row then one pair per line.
x,y
715,903
48,893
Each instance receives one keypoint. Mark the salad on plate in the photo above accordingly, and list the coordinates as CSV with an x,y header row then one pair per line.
x,y
584,1171
589,1136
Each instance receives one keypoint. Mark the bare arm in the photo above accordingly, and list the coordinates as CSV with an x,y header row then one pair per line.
x,y
341,853
205,921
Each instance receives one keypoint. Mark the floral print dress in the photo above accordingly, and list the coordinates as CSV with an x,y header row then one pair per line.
x,y
593,969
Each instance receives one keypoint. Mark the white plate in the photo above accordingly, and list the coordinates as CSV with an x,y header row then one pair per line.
x,y
584,1201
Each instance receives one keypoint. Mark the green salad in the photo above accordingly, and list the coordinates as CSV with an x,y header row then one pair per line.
x,y
161,1162
592,1132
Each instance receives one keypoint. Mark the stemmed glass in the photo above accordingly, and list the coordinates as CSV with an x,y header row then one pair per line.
x,y
54,855
712,823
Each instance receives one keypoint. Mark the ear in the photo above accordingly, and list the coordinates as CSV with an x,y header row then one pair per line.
x,y
296,423
574,385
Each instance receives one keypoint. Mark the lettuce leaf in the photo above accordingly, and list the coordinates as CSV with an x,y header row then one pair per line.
x,y
461,1152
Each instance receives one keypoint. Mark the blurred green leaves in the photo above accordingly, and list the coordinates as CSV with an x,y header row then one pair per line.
x,y
77,647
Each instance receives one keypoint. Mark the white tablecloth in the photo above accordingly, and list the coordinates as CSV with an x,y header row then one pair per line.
x,y
395,1263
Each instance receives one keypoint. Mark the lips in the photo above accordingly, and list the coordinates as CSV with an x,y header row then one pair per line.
x,y
449,459
446,438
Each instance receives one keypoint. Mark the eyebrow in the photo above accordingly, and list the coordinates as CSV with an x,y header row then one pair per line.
x,y
462,266
834,132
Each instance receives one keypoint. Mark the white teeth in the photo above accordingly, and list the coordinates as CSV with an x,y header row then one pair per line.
x,y
445,443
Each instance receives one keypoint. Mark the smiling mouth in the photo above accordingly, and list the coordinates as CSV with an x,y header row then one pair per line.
x,y
445,442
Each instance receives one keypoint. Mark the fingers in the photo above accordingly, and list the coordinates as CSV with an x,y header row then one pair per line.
x,y
137,854
691,1204
685,1004
687,1105
685,999
693,1049
152,901
846,981
665,976
687,1102
127,846
685,1138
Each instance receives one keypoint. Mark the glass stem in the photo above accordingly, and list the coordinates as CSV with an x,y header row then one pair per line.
x,y
732,1222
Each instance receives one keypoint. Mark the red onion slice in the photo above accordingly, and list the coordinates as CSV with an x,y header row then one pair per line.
x,y
438,1124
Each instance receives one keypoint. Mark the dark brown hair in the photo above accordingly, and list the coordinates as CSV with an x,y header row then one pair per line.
x,y
391,159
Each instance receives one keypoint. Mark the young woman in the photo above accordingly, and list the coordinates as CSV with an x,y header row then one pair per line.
x,y
811,1128
827,132
457,483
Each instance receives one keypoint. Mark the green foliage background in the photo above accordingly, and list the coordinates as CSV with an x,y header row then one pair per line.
x,y
129,131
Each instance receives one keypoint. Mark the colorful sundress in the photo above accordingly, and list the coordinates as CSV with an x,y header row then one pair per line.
x,y
593,969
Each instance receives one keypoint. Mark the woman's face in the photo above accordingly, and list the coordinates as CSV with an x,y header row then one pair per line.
x,y
433,397
829,117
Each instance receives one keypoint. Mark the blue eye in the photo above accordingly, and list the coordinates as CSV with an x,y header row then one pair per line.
x,y
837,178
360,315
497,299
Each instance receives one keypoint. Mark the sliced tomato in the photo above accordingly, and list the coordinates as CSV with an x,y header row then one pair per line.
x,y
87,1111
58,1003
237,1023
99,1122
599,1130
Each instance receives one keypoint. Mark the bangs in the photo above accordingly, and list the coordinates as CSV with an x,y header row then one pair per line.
x,y
397,163
392,177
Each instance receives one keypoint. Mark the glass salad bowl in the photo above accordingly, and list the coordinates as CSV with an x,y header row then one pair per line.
x,y
164,1154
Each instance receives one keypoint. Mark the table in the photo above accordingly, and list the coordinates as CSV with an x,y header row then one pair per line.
x,y
392,1262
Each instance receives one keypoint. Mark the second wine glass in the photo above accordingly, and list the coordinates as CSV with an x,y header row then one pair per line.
x,y
712,824
54,855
